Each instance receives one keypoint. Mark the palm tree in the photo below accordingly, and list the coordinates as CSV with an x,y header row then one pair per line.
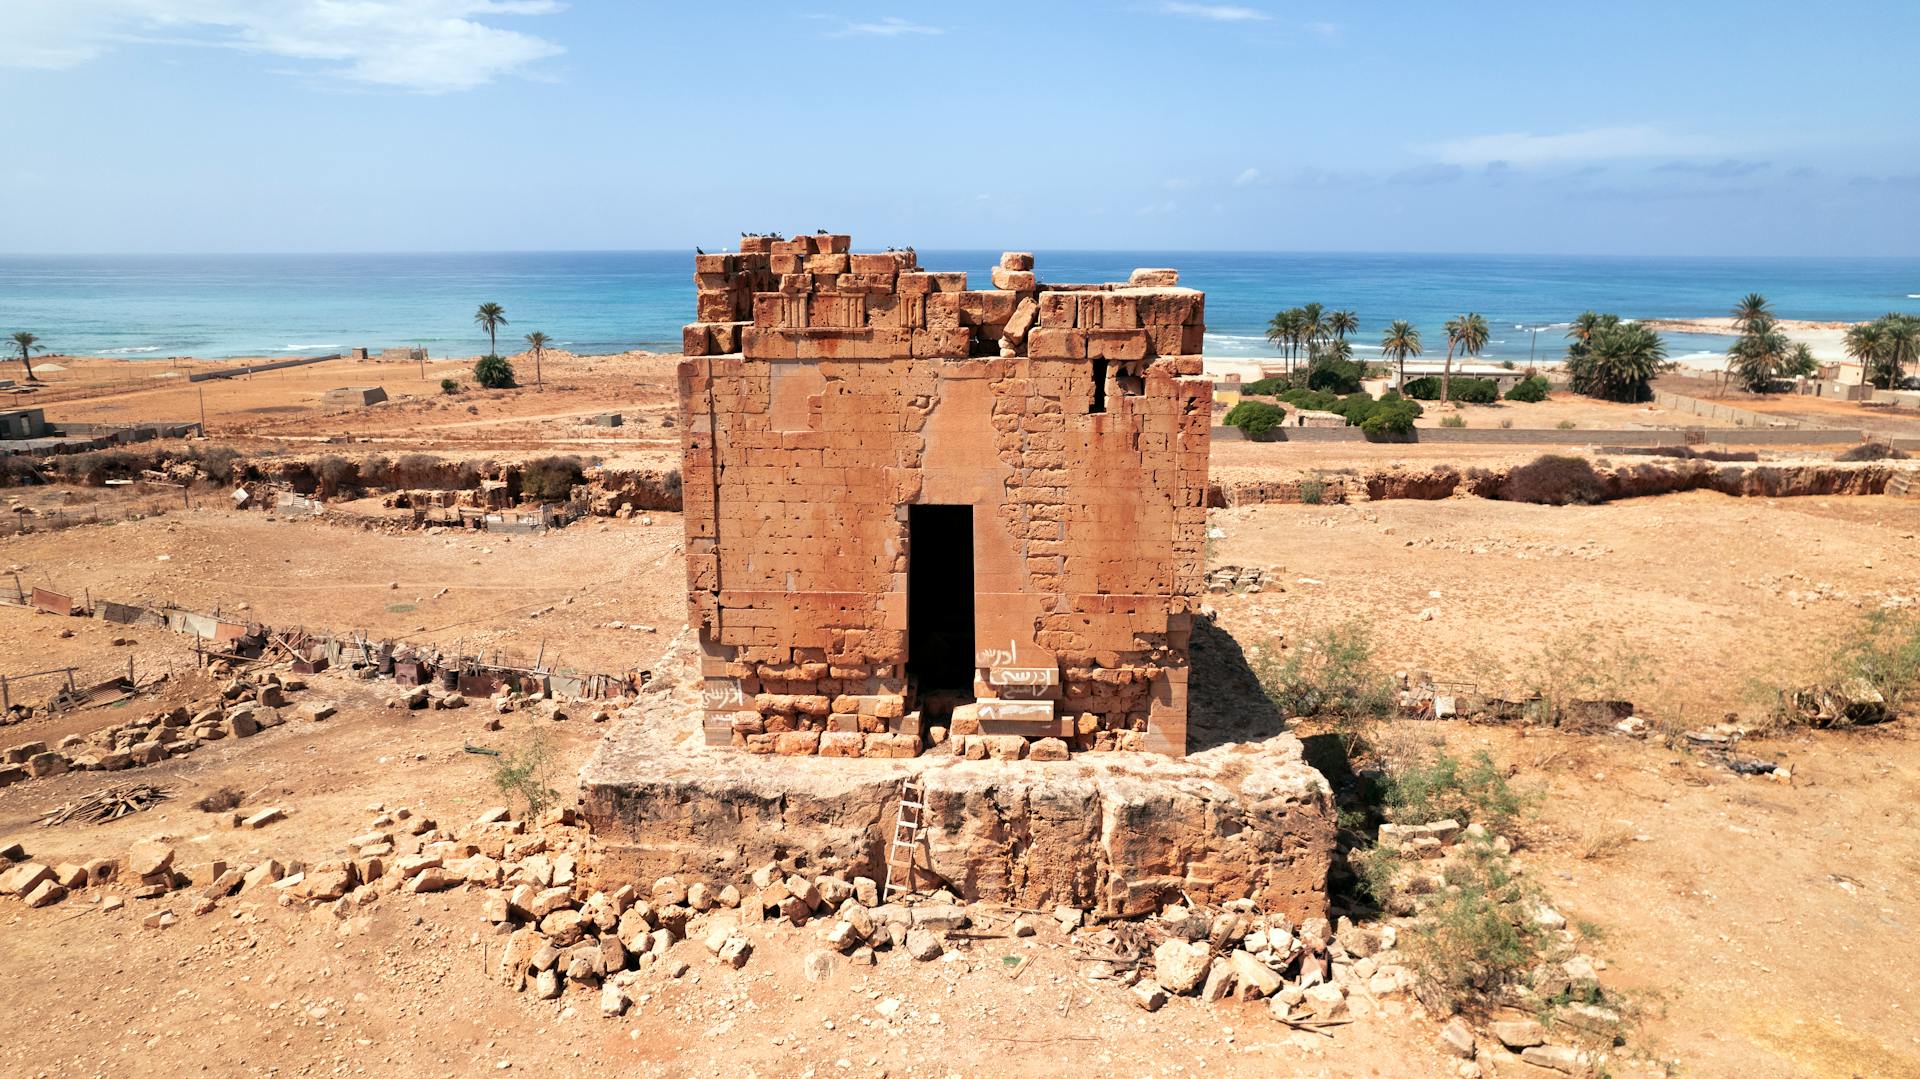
x,y
1343,323
1760,354
1867,342
1751,308
537,342
1902,335
28,346
1581,330
1313,325
1398,342
490,317
1468,333
1623,360
1283,330
1800,362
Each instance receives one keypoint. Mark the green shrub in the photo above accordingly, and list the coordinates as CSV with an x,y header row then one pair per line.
x,y
1256,418
1530,390
1313,490
1476,391
1440,787
493,373
1267,387
1424,388
1332,674
1391,417
1335,375
550,479
1477,937
1453,421
1311,400
449,385
1472,391
1565,425
527,771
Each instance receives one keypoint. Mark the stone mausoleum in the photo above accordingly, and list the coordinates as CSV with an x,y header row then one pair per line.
x,y
919,512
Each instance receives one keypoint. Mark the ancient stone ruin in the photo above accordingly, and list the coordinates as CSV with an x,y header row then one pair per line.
x,y
917,511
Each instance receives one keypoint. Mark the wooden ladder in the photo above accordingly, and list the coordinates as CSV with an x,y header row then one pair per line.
x,y
906,836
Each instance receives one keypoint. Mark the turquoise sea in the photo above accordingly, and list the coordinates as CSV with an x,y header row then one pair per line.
x,y
253,305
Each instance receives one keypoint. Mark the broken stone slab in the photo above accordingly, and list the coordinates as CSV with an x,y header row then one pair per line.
x,y
1518,1034
264,817
46,893
1457,1038
1558,1058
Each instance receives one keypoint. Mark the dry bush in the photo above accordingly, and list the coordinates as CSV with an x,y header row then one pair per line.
x,y
1601,846
1554,480
1872,451
220,801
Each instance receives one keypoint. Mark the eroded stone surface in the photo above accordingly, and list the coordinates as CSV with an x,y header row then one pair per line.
x,y
1121,833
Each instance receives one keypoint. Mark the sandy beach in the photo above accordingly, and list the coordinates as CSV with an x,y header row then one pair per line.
x,y
1826,339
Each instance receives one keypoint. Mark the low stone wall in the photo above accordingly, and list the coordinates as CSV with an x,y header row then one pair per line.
x,y
1119,833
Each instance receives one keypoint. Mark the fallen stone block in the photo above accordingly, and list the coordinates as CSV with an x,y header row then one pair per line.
x,y
148,859
1178,965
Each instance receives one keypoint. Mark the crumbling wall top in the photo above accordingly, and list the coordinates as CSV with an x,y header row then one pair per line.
x,y
812,297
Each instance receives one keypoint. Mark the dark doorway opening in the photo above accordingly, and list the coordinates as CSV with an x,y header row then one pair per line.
x,y
940,606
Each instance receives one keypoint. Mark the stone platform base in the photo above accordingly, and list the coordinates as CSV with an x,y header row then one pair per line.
x,y
1118,833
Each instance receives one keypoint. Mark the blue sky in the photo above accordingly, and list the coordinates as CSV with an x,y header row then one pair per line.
x,y
1704,128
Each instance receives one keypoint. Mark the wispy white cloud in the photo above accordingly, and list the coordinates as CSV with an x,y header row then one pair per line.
x,y
1327,30
1247,178
890,26
1522,148
432,46
1216,12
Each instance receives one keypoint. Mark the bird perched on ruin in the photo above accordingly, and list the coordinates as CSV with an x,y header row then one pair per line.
x,y
699,250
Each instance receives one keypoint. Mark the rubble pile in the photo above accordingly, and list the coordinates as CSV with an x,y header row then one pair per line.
x,y
245,706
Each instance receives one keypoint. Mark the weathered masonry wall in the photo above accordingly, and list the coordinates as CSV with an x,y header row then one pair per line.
x,y
826,393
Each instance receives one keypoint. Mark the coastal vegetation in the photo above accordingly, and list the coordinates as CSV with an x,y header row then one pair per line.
x,y
1885,347
1255,418
1472,391
1311,330
28,344
1468,333
494,373
1530,390
537,343
1613,360
490,317
1399,341
1762,355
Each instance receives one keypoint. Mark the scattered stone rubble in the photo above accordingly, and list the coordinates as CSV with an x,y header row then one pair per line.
x,y
1583,1025
1222,579
245,706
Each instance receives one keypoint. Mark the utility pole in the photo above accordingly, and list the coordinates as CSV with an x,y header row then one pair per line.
x,y
203,412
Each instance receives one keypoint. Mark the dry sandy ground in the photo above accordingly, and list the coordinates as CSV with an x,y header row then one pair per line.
x,y
284,407
1759,925
465,590
1819,411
